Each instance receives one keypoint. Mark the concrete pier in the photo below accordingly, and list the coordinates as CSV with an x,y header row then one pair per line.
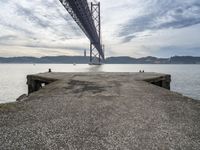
x,y
36,82
100,111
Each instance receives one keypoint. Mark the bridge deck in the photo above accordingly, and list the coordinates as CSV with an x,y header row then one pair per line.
x,y
101,111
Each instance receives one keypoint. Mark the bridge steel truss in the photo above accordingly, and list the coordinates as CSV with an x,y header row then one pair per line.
x,y
89,21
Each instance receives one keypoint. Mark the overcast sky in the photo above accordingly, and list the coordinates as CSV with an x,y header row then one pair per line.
x,y
135,28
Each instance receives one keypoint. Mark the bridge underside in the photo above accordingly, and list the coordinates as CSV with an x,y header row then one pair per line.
x,y
89,21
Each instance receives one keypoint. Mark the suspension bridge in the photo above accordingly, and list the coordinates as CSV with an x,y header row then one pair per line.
x,y
88,17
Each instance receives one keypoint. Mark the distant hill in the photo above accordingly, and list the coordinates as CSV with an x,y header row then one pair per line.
x,y
47,60
120,60
153,60
110,60
143,60
185,60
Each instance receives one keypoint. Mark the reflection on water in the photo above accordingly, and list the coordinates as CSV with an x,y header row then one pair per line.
x,y
185,78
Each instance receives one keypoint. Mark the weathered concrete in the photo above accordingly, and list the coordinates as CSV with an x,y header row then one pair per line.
x,y
36,82
101,111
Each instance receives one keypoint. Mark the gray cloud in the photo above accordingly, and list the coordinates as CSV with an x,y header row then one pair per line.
x,y
163,15
16,28
128,38
7,38
39,45
58,11
175,50
53,46
56,22
29,14
46,25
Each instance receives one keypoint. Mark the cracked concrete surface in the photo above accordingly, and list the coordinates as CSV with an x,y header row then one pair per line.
x,y
101,111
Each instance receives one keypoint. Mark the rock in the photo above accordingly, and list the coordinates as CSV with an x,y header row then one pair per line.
x,y
23,97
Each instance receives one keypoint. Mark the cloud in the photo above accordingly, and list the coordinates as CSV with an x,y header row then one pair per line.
x,y
129,27
39,24
177,51
162,15
128,38
29,14
7,38
79,48
7,51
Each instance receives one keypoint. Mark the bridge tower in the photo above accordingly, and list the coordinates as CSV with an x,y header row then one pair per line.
x,y
95,57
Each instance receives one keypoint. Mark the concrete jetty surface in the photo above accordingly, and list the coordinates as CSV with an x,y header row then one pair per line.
x,y
100,111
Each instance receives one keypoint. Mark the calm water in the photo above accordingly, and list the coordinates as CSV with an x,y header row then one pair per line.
x,y
185,78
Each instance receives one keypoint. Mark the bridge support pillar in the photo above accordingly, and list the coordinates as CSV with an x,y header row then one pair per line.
x,y
95,57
